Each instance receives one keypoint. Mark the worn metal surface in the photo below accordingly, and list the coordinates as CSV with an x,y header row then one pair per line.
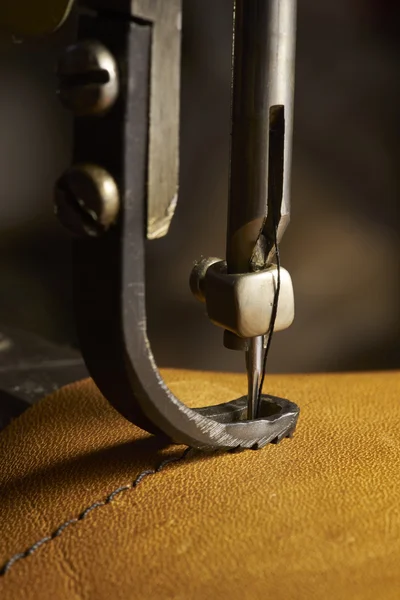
x,y
163,174
109,271
165,20
88,78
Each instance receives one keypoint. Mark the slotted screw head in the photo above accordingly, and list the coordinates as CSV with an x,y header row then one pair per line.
x,y
86,200
88,79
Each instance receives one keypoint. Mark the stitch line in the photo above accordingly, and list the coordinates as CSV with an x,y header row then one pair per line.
x,y
110,498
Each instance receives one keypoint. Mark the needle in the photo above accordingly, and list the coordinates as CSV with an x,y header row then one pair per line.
x,y
254,360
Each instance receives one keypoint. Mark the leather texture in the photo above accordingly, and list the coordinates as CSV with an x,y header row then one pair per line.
x,y
313,517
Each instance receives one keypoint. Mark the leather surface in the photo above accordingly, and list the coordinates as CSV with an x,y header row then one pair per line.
x,y
314,517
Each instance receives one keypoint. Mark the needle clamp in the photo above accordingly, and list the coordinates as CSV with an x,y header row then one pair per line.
x,y
242,303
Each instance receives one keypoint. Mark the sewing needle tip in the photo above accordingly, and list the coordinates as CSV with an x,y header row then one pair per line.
x,y
254,373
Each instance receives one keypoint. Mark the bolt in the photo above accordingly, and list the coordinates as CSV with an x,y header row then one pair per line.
x,y
86,200
88,79
198,277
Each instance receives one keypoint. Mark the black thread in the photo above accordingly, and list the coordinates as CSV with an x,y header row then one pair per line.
x,y
275,304
59,531
21,555
140,477
276,168
115,493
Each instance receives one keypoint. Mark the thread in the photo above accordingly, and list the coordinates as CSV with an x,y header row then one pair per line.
x,y
85,513
274,306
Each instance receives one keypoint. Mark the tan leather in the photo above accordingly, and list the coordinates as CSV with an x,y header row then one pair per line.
x,y
317,517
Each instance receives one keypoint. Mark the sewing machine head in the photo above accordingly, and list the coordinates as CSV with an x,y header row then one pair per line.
x,y
121,80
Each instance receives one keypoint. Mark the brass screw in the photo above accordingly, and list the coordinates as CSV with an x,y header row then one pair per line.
x,y
87,200
88,79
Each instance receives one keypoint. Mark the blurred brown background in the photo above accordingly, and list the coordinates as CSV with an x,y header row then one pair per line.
x,y
342,247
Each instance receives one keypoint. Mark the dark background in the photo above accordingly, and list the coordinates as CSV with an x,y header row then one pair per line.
x,y
342,247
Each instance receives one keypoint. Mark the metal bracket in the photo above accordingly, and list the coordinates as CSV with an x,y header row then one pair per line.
x,y
165,20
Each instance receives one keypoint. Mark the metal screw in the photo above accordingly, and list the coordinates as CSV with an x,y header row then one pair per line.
x,y
88,79
87,200
198,277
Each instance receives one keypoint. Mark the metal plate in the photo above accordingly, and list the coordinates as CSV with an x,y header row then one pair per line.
x,y
165,19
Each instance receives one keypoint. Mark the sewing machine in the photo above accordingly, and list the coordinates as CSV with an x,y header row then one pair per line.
x,y
91,504
121,80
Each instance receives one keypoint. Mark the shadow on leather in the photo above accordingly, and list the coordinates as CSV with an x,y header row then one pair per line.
x,y
81,471
95,469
